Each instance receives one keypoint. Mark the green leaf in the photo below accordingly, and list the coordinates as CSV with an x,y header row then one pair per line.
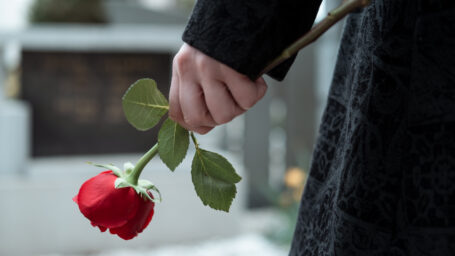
x,y
214,179
144,104
173,141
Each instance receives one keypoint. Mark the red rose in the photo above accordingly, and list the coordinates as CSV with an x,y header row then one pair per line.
x,y
121,210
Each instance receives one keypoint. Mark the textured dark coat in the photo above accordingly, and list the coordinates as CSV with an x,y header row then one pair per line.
x,y
382,180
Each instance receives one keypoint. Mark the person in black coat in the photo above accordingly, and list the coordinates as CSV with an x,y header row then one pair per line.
x,y
382,178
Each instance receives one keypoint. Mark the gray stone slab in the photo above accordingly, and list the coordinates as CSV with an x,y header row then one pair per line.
x,y
136,37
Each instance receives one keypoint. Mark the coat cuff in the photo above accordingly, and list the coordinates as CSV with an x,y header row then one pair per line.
x,y
247,35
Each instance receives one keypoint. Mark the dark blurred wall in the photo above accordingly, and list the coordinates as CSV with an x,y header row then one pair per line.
x,y
67,11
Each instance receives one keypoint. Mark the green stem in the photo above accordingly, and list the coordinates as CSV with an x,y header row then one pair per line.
x,y
134,176
193,138
333,17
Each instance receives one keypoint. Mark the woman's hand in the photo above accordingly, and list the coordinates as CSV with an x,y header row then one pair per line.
x,y
205,93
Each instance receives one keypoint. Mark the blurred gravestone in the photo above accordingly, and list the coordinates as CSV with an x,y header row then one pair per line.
x,y
76,99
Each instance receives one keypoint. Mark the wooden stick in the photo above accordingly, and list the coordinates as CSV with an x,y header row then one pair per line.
x,y
333,17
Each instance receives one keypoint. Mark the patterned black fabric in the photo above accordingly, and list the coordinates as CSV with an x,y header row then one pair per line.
x,y
382,180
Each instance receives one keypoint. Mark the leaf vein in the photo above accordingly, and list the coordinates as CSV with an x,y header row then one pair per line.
x,y
147,104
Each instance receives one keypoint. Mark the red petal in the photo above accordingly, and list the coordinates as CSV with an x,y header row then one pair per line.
x,y
75,199
105,205
102,229
138,223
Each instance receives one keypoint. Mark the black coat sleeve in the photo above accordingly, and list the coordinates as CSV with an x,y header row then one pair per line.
x,y
248,34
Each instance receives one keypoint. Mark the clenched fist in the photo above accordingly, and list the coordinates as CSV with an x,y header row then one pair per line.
x,y
205,93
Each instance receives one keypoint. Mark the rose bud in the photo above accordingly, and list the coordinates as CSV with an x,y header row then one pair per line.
x,y
111,201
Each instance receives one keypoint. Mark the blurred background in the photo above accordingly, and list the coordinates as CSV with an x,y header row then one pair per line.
x,y
64,66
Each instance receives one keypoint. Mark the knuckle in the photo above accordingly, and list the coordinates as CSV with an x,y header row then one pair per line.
x,y
181,61
202,64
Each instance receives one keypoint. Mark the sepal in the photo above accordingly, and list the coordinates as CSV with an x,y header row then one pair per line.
x,y
143,193
146,184
150,186
143,186
128,167
121,183
111,167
